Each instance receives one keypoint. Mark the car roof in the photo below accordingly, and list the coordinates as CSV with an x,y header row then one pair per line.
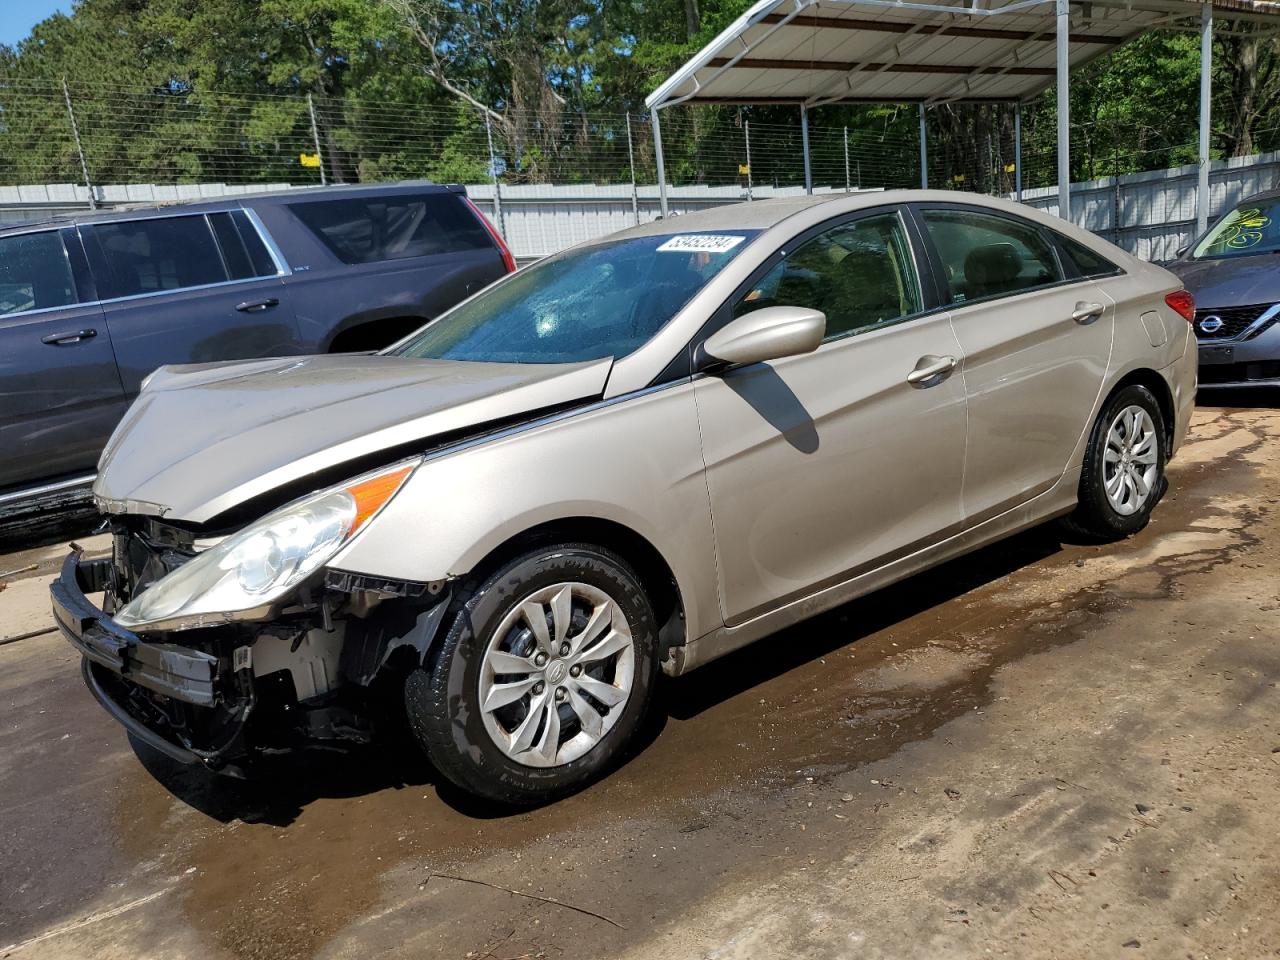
x,y
139,211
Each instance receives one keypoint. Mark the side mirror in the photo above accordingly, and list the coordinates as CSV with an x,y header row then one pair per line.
x,y
1181,251
768,334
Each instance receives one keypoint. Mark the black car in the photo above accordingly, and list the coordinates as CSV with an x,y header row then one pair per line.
x,y
90,305
1234,273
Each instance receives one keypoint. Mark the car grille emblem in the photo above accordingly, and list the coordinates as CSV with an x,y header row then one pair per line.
x,y
1211,324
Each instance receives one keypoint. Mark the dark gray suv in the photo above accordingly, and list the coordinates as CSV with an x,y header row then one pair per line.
x,y
89,306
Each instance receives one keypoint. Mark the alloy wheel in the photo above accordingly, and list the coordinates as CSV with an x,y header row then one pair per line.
x,y
1130,462
557,674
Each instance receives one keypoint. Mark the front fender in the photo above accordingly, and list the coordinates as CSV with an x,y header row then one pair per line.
x,y
635,461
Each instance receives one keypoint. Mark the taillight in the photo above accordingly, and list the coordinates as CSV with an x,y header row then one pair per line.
x,y
1183,304
508,260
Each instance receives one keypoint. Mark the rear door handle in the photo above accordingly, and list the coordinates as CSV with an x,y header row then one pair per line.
x,y
257,306
58,339
1086,313
931,370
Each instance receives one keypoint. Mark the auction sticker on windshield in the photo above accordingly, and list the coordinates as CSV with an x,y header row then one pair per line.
x,y
700,243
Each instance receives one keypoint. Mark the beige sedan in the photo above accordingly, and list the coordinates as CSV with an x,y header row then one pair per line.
x,y
633,457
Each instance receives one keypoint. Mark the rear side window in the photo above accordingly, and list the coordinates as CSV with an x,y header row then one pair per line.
x,y
985,256
243,251
1089,262
168,253
393,228
34,273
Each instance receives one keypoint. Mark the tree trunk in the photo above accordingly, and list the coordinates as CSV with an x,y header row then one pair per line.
x,y
692,18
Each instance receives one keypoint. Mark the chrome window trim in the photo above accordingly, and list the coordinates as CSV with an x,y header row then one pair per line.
x,y
1265,317
164,293
277,255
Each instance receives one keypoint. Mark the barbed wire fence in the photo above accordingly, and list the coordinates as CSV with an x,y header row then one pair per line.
x,y
103,138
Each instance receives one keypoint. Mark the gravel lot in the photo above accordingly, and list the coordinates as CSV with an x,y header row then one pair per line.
x,y
1042,750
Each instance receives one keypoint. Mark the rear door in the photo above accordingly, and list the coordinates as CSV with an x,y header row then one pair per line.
x,y
189,288
1036,340
60,394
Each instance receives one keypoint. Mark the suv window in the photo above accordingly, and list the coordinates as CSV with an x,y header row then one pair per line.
x,y
860,274
34,273
243,251
986,256
1087,261
167,253
393,228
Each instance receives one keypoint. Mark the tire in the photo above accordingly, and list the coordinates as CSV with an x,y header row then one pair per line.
x,y
506,754
1107,516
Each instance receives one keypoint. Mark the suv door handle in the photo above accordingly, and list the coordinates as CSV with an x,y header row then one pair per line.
x,y
931,370
58,339
257,306
1086,313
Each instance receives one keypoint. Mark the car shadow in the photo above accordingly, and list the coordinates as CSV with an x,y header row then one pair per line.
x,y
284,784
1238,398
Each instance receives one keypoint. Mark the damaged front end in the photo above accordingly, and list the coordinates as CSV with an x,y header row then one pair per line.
x,y
217,649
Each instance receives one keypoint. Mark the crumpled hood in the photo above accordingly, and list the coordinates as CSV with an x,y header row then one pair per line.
x,y
203,438
1231,281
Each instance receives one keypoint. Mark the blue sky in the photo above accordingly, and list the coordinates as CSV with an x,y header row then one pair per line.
x,y
17,17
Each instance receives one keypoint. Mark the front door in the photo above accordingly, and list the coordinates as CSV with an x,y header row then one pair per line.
x,y
1036,348
825,465
60,395
188,289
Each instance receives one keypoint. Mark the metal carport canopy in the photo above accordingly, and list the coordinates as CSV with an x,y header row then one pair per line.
x,y
815,52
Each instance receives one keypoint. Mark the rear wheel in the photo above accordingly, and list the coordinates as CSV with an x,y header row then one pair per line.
x,y
1122,478
543,677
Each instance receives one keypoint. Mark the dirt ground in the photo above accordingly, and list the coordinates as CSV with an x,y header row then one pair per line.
x,y
1043,750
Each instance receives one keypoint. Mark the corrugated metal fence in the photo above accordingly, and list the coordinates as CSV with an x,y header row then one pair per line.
x,y
1153,214
1150,214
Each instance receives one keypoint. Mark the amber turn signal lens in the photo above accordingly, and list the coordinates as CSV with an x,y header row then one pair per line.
x,y
371,494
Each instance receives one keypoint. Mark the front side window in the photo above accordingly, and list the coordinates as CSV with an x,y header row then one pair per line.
x,y
1250,228
860,274
34,273
604,300
985,256
393,228
167,253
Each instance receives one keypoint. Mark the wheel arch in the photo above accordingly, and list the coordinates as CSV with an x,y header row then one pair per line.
x,y
656,574
1159,387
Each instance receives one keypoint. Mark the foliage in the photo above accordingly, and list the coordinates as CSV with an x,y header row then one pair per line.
x,y
168,90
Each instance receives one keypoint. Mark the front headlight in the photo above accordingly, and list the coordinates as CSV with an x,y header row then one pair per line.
x,y
246,573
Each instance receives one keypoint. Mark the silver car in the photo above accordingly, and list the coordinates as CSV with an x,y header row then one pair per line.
x,y
632,457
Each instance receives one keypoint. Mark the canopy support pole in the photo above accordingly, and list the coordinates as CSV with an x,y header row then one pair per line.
x,y
924,153
657,155
1206,91
804,142
1064,109
1017,150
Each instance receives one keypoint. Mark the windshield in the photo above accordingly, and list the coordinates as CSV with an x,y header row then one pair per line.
x,y
1248,229
600,301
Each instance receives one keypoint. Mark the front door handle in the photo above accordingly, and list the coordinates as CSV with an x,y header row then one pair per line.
x,y
1086,313
257,306
931,370
58,339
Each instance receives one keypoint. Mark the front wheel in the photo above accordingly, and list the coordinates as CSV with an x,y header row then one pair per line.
x,y
544,675
1122,477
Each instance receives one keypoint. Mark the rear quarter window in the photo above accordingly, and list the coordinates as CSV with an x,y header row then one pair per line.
x,y
1089,262
373,229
